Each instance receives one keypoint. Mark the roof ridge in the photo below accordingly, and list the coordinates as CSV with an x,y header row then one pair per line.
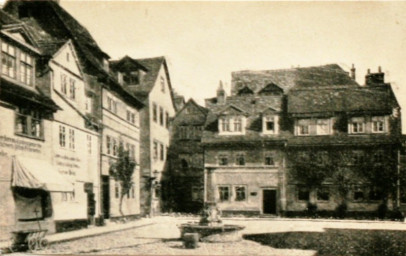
x,y
287,69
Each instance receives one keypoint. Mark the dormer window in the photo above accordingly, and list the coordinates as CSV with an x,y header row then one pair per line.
x,y
357,125
303,127
323,126
270,124
231,125
26,69
378,124
8,60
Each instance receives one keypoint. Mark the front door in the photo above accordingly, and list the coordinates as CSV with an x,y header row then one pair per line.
x,y
106,196
269,201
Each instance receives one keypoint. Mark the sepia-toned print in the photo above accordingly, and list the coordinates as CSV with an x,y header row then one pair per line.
x,y
202,128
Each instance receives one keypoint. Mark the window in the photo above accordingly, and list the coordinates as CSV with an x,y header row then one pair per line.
x,y
225,124
8,60
88,106
89,144
269,161
303,194
322,127
161,116
154,112
184,164
378,124
270,124
375,194
223,160
62,136
358,194
378,157
167,120
155,150
357,125
237,124
72,139
240,193
197,193
29,122
224,193
162,84
240,159
72,89
116,190
108,144
64,84
130,117
162,152
323,194
111,104
115,147
26,69
303,127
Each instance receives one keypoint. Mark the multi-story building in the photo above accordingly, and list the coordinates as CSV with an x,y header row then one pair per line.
x,y
186,164
148,79
30,183
260,140
106,99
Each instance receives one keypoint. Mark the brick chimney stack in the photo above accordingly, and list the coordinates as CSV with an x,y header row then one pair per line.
x,y
375,78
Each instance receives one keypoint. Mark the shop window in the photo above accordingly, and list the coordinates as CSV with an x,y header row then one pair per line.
x,y
26,69
161,116
29,123
240,159
323,194
269,160
154,112
224,193
223,160
303,194
8,60
240,193
72,89
62,136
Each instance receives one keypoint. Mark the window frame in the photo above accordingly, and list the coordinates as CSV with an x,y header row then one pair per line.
x,y
32,126
240,159
302,189
236,193
378,124
220,159
221,193
6,58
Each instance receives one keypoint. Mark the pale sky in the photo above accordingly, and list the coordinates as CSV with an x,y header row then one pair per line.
x,y
205,41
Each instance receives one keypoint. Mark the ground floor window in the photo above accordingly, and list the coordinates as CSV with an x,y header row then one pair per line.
x,y
240,193
323,194
375,194
303,193
224,193
197,193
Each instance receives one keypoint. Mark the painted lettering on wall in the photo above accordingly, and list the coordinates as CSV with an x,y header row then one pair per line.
x,y
69,162
18,144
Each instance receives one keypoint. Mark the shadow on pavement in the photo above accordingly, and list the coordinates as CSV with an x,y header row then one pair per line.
x,y
338,242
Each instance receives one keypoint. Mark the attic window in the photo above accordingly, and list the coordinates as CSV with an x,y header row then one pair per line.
x,y
270,124
231,125
162,84
67,57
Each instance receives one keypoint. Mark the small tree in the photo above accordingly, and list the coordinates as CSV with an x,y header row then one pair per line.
x,y
122,171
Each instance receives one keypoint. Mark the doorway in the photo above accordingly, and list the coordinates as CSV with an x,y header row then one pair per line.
x,y
106,196
269,201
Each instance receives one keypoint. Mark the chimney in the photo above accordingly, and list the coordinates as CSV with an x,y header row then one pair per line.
x,y
353,72
375,78
221,94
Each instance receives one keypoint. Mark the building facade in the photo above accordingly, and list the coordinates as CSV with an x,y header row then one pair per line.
x,y
148,79
287,140
186,165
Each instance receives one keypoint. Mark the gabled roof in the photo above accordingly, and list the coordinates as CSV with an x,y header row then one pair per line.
x,y
194,119
287,79
7,19
231,109
126,64
269,110
341,99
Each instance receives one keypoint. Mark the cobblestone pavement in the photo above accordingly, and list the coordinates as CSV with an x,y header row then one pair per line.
x,y
161,239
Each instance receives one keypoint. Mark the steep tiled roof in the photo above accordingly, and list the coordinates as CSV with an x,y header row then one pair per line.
x,y
287,79
153,65
126,64
182,118
340,99
6,19
341,140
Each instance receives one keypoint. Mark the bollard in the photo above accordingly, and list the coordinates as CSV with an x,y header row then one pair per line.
x,y
190,240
